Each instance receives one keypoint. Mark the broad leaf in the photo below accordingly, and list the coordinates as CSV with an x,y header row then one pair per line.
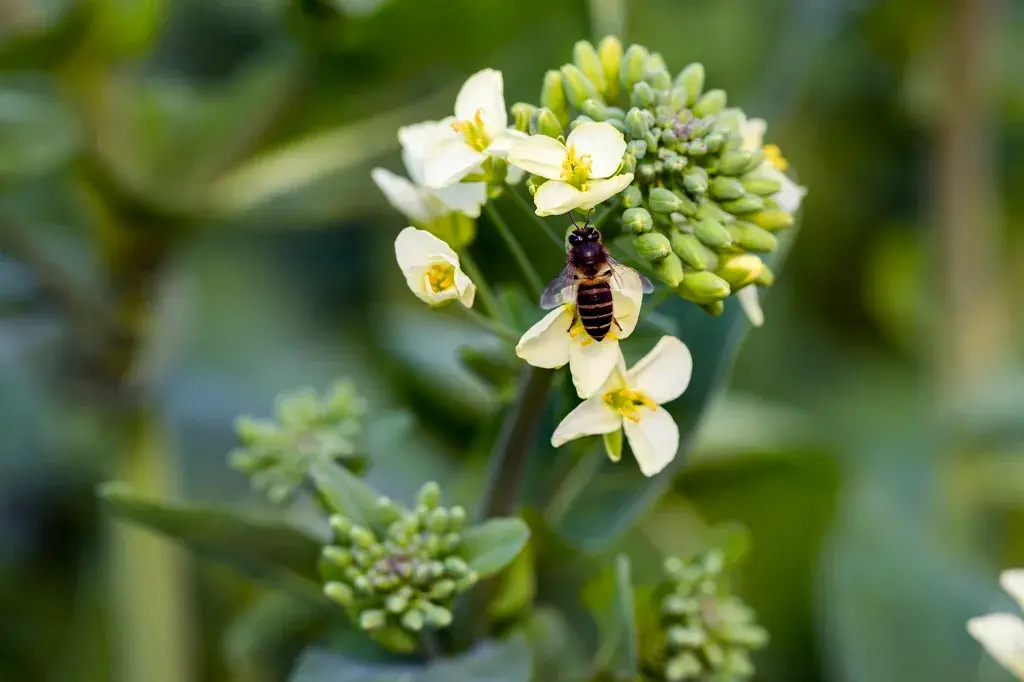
x,y
267,550
507,661
349,496
493,545
37,133
610,598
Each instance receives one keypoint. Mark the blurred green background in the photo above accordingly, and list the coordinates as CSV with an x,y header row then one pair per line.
x,y
207,162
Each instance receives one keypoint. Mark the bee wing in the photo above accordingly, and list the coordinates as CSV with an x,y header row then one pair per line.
x,y
562,289
621,272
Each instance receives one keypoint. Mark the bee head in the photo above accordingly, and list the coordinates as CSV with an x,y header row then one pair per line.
x,y
584,234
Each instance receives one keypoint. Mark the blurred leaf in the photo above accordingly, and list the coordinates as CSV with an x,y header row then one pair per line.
x,y
507,661
493,545
349,496
266,550
558,653
127,28
610,598
263,642
40,35
516,588
36,132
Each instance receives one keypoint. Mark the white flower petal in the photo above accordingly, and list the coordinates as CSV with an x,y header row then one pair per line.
x,y
449,161
591,363
503,141
1002,635
1012,581
664,373
602,142
465,288
464,197
546,344
790,195
751,304
589,418
654,439
555,197
514,175
483,92
753,130
417,248
540,155
627,313
403,195
417,139
601,190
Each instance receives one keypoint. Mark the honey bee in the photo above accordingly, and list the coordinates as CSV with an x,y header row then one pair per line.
x,y
586,281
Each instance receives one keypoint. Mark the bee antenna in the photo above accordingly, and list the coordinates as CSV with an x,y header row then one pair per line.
x,y
571,220
589,213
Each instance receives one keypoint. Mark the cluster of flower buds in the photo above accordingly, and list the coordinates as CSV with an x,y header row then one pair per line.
x,y
398,585
277,455
709,631
706,194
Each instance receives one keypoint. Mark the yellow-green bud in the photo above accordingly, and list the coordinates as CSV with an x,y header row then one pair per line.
x,y
442,589
339,556
613,445
712,233
711,102
552,96
709,209
714,308
676,164
695,180
761,185
653,246
722,187
636,148
609,51
627,165
437,522
579,120
396,603
544,122
456,518
341,526
687,206
692,79
362,537
646,173
533,183
690,250
586,58
436,616
578,88
685,666
756,159
521,113
660,79
679,636
412,620
703,287
339,593
733,162
669,269
634,65
450,542
636,124
766,278
739,269
747,203
714,142
429,495
372,619
662,200
638,220
678,98
616,122
599,111
455,566
632,197
642,95
771,219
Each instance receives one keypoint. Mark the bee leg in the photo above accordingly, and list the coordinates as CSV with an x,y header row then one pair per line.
x,y
617,324
575,316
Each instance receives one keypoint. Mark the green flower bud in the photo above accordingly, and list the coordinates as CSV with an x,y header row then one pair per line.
x,y
766,278
429,495
714,655
341,526
687,206
658,77
422,574
676,165
609,52
761,185
739,269
722,187
456,518
692,79
442,590
636,148
753,238
771,219
450,542
342,558
651,139
433,544
661,200
455,567
633,67
678,98
711,102
703,287
412,620
715,308
685,666
437,521
632,197
578,88
466,582
362,537
436,616
637,219
544,122
552,96
748,203
521,114
578,121
711,210
678,605
653,246
679,636
714,142
636,124
617,123
646,173
691,250
669,269
712,233
339,593
362,584
586,58
372,619
396,603
695,180
756,159
733,162
627,165
599,111
533,183
642,95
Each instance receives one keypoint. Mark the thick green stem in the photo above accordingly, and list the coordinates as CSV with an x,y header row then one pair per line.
x,y
483,289
533,280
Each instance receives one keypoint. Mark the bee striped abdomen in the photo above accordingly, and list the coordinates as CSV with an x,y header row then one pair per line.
x,y
594,306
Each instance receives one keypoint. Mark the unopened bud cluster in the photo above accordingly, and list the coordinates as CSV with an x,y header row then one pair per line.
x,y
405,581
709,632
276,455
702,202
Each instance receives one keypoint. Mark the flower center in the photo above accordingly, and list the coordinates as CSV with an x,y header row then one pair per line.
x,y
628,402
473,131
773,155
576,169
441,277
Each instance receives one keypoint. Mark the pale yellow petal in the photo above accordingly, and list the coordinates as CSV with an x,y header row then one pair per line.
x,y
555,197
448,162
664,373
546,344
483,94
589,418
538,154
403,195
654,439
416,248
591,363
1002,635
602,190
602,142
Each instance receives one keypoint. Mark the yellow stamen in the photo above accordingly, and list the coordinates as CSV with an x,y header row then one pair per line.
x,y
576,169
441,277
474,131
628,402
773,155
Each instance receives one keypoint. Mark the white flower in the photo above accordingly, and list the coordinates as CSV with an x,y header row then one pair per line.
x,y
632,401
432,269
417,202
789,198
479,130
580,173
552,343
1002,634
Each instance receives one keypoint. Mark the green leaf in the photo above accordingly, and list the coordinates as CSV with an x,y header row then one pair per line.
x,y
493,545
349,496
37,133
610,598
280,554
264,641
508,661
516,589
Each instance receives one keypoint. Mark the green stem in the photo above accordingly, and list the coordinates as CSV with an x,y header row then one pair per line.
x,y
533,280
493,326
544,225
571,484
483,289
